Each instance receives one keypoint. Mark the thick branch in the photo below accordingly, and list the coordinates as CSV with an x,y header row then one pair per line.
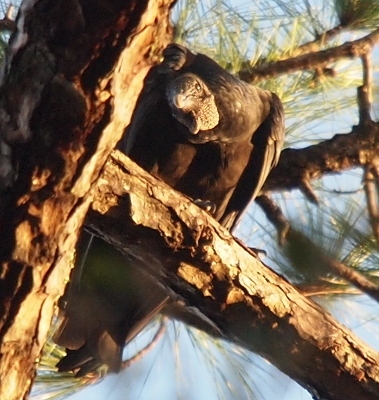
x,y
189,253
340,153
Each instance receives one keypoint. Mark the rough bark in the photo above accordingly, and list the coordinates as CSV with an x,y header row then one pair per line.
x,y
189,253
72,75
342,152
58,125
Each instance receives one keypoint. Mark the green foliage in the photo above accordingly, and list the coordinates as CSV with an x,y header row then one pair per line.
x,y
49,384
241,36
358,14
341,233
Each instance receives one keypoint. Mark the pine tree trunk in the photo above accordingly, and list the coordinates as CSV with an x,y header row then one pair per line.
x,y
73,72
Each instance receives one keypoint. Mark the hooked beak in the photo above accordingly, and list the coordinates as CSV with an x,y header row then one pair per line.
x,y
182,102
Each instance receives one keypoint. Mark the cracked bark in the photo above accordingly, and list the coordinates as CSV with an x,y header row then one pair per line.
x,y
190,254
62,110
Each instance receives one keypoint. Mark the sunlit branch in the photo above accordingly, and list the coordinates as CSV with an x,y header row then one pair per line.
x,y
311,61
189,253
8,23
315,45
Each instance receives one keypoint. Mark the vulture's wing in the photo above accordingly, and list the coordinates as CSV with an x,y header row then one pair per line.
x,y
267,143
148,106
110,305
95,331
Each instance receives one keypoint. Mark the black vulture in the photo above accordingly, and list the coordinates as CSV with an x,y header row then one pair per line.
x,y
207,134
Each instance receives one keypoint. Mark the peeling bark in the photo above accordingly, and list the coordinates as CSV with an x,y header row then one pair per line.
x,y
189,253
71,78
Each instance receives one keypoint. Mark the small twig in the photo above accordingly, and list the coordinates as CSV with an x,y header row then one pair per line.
x,y
341,192
354,277
275,215
365,91
316,256
306,48
370,185
322,73
311,258
367,73
315,45
8,22
9,13
158,335
323,290
307,190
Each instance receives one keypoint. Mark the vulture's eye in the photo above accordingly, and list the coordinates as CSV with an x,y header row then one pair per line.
x,y
198,87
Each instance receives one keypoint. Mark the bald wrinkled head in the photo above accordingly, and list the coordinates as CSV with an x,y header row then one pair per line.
x,y
192,103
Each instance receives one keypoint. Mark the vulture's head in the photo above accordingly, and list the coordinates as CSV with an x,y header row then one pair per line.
x,y
192,103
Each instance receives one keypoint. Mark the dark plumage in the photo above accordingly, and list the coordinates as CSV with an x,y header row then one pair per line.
x,y
106,304
208,135
205,132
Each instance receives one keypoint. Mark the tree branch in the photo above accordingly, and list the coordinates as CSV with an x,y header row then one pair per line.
x,y
316,45
340,153
190,254
365,91
371,188
307,257
310,61
8,23
62,110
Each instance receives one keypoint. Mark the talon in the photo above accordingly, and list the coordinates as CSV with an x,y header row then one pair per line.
x,y
258,252
206,205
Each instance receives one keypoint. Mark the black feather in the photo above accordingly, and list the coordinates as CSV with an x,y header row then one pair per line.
x,y
226,165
